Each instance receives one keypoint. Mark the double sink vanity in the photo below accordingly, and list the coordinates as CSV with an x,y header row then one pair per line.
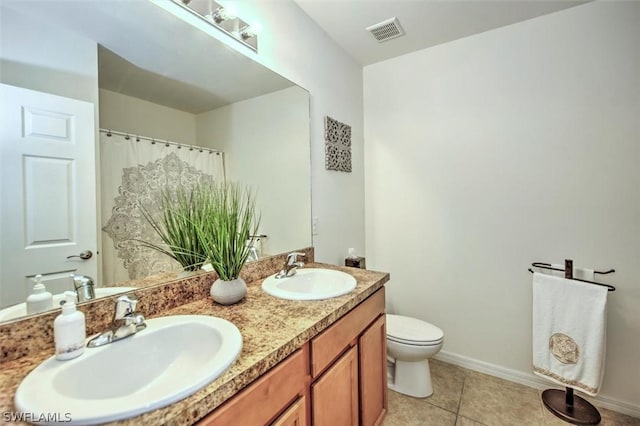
x,y
270,359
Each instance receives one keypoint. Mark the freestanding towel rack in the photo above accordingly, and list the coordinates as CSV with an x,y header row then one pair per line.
x,y
564,404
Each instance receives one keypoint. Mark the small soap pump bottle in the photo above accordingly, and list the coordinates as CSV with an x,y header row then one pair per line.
x,y
69,330
40,300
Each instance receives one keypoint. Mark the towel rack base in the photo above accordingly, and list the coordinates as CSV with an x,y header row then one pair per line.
x,y
570,408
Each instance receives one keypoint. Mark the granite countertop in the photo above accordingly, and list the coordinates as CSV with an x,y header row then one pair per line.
x,y
271,329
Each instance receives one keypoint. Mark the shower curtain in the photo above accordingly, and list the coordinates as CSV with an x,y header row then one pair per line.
x,y
134,172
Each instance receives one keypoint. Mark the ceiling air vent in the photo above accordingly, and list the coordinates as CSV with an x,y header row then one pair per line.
x,y
386,30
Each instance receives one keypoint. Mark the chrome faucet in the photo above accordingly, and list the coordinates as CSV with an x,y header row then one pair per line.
x,y
84,287
126,322
291,265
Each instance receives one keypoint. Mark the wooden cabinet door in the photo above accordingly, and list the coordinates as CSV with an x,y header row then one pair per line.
x,y
335,394
296,415
373,373
266,397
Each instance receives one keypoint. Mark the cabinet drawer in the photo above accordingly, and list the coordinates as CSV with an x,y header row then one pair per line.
x,y
329,344
270,394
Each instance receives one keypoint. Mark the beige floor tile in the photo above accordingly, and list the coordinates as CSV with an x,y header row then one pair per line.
x,y
481,400
497,402
612,418
447,380
407,411
463,421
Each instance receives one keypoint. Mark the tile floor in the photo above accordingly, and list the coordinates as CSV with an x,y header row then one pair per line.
x,y
464,397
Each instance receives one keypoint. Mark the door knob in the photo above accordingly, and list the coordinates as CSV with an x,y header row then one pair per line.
x,y
85,255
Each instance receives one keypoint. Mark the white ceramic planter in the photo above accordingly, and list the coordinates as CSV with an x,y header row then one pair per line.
x,y
228,292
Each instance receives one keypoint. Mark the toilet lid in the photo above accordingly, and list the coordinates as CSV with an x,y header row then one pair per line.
x,y
409,329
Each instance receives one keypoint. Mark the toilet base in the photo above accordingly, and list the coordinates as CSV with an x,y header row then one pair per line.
x,y
412,378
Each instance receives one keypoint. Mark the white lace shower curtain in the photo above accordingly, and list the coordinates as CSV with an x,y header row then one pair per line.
x,y
134,172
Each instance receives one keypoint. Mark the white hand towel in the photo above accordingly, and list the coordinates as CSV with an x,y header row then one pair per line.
x,y
569,329
584,274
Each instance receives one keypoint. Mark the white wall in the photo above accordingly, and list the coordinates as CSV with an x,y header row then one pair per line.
x,y
47,58
266,144
294,46
488,153
139,117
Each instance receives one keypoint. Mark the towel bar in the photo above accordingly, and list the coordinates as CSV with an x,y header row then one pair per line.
x,y
548,266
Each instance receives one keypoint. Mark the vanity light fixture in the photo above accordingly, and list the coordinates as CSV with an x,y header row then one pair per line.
x,y
223,18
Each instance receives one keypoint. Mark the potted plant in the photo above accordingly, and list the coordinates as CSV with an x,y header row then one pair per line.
x,y
181,213
226,235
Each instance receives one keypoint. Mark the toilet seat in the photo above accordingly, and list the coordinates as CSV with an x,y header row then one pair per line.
x,y
412,331
414,343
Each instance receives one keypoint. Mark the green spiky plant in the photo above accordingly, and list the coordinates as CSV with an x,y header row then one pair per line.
x,y
182,213
226,234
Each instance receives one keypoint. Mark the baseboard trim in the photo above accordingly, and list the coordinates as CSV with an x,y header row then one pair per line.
x,y
531,380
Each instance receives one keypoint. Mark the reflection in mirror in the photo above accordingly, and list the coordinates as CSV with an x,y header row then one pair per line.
x,y
229,118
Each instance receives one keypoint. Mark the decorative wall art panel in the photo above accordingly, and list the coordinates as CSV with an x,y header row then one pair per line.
x,y
337,138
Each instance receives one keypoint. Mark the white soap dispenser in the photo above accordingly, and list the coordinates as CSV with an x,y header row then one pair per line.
x,y
40,300
69,331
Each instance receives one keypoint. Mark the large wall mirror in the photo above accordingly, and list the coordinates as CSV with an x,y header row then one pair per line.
x,y
156,102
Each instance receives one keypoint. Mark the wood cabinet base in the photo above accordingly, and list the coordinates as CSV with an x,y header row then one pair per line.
x,y
338,378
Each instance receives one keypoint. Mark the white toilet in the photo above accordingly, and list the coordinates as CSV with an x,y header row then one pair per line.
x,y
410,344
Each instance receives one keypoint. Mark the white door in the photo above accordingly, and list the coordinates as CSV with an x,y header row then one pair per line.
x,y
47,193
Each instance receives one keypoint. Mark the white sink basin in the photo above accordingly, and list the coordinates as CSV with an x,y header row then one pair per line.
x,y
310,284
169,360
20,310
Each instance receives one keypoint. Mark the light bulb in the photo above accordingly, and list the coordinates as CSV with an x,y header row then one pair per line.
x,y
219,15
231,11
250,30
